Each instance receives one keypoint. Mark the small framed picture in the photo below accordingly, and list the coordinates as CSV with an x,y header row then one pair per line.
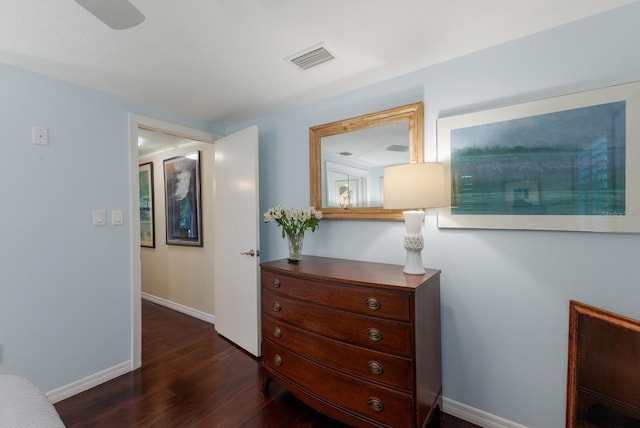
x,y
147,218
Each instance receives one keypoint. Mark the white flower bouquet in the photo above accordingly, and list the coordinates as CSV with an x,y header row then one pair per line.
x,y
294,221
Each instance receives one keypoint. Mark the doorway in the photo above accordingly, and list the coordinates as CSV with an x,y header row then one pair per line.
x,y
136,123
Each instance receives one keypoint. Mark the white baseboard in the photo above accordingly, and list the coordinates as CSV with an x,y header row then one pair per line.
x,y
89,382
180,308
475,416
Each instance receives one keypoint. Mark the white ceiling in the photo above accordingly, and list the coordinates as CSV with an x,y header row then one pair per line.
x,y
224,60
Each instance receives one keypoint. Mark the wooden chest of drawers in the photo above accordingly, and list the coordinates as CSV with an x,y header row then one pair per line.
x,y
357,341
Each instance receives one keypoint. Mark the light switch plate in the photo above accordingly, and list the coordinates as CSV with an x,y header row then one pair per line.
x,y
98,217
40,136
116,217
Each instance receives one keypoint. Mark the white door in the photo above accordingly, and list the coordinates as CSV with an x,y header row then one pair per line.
x,y
236,239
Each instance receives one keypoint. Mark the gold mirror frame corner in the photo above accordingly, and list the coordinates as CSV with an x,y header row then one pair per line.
x,y
412,113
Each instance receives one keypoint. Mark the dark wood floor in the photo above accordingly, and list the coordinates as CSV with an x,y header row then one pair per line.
x,y
191,377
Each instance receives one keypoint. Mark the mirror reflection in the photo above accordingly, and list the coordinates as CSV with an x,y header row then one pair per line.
x,y
354,164
348,157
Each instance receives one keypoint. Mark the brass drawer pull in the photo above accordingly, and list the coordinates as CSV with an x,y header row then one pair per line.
x,y
375,404
277,307
372,303
277,332
375,367
277,360
276,283
374,334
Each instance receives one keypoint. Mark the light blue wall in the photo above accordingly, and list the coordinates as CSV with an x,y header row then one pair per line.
x,y
505,294
65,288
65,285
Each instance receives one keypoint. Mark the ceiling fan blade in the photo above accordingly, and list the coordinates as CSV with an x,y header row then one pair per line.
x,y
117,14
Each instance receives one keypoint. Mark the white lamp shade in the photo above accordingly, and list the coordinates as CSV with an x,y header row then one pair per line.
x,y
414,186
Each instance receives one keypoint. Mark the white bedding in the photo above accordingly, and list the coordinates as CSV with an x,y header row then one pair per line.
x,y
23,405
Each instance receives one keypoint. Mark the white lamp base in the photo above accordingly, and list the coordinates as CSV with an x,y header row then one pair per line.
x,y
414,242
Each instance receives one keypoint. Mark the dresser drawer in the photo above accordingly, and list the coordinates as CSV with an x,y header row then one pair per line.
x,y
374,333
387,406
366,301
370,365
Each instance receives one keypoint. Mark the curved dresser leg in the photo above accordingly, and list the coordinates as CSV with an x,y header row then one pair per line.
x,y
266,381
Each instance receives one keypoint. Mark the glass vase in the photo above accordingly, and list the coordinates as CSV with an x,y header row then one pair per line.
x,y
295,247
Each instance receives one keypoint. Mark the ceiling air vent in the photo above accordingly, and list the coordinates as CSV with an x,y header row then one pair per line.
x,y
310,58
397,148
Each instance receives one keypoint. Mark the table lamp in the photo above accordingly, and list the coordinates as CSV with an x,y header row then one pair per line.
x,y
412,187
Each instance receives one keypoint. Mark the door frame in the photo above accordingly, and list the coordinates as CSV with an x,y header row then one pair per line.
x,y
136,121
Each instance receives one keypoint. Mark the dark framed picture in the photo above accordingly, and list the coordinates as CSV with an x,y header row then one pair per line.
x,y
147,218
182,197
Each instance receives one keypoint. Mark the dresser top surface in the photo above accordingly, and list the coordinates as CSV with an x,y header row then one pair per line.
x,y
351,271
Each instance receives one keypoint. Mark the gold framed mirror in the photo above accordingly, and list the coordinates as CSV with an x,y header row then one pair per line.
x,y
347,160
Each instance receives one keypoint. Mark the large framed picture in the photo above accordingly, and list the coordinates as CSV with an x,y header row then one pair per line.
x,y
147,218
566,163
182,197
